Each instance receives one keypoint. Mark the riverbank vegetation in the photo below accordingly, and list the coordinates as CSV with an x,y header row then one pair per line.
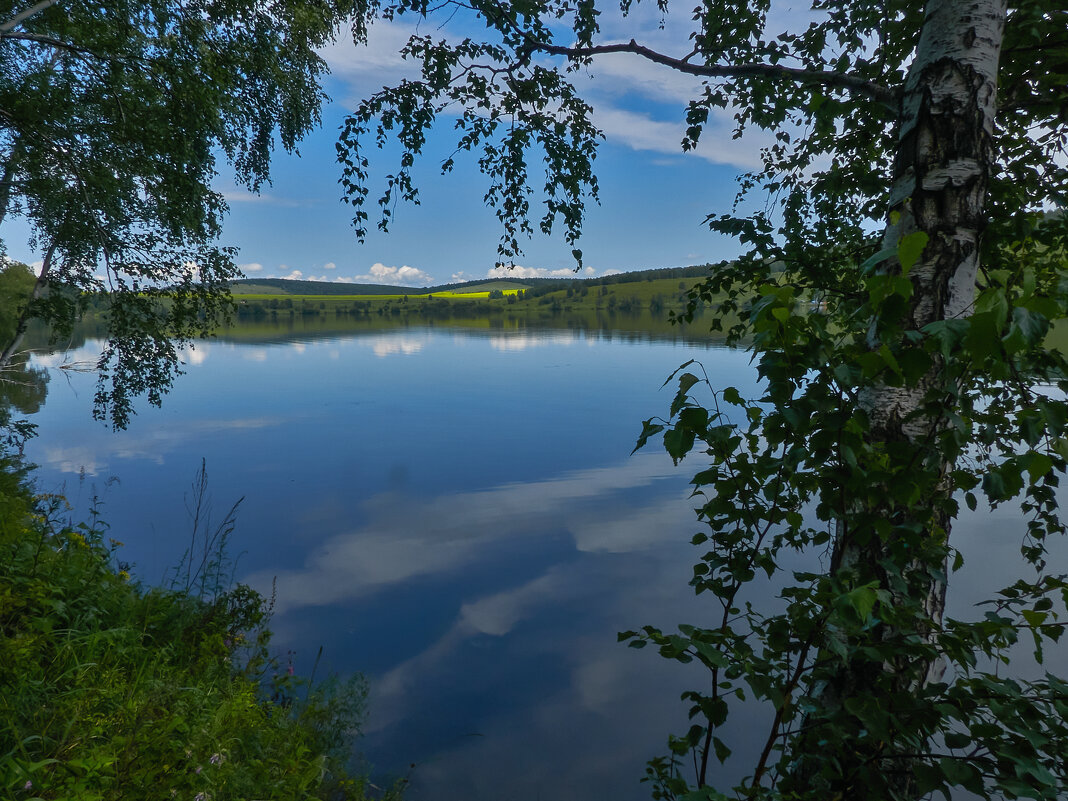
x,y
113,689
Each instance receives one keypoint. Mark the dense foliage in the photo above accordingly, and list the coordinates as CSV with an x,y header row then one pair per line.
x,y
113,690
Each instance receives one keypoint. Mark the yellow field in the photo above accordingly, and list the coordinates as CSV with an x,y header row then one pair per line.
x,y
354,296
467,295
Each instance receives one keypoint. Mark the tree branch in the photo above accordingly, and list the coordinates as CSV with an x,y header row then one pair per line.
x,y
50,41
835,80
16,20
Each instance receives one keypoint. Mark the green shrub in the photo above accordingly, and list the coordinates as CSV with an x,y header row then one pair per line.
x,y
110,690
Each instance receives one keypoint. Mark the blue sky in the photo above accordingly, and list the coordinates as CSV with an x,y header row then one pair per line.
x,y
653,196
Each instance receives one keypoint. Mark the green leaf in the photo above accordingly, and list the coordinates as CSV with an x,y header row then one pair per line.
x,y
872,261
686,382
721,749
862,599
678,442
957,740
649,428
910,248
994,486
1034,618
731,396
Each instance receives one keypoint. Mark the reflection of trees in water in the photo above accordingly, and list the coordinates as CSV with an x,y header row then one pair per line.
x,y
39,339
634,326
23,387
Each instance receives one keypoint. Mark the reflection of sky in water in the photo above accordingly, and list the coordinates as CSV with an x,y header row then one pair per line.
x,y
457,516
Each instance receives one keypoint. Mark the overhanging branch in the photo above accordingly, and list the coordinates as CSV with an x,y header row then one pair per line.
x,y
834,80
50,42
16,20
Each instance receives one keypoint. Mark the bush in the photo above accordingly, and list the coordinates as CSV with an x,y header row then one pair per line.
x,y
111,690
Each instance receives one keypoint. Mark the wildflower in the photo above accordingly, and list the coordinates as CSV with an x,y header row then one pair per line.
x,y
216,759
124,575
28,785
199,768
290,671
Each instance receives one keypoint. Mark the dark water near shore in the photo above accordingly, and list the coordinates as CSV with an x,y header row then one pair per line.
x,y
453,511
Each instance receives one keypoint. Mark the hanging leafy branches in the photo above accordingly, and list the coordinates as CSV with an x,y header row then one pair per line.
x,y
111,122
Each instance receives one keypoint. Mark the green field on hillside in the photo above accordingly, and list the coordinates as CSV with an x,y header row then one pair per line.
x,y
659,295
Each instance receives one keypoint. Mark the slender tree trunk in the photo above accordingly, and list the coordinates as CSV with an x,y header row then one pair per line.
x,y
942,168
26,313
8,178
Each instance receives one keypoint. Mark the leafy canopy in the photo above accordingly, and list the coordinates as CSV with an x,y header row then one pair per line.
x,y
113,119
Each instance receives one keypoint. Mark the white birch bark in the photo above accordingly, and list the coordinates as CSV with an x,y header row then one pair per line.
x,y
942,167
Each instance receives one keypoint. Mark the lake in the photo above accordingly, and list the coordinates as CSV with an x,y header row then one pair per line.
x,y
454,512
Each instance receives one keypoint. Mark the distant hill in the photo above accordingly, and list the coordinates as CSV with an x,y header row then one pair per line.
x,y
285,286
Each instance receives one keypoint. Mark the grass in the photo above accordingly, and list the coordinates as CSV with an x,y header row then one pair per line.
x,y
114,690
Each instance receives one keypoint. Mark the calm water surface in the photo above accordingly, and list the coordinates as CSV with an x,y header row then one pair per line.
x,y
454,513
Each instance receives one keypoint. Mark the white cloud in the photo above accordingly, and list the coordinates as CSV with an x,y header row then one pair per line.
x,y
366,69
639,131
460,276
381,274
620,74
251,267
296,275
330,266
611,79
519,271
242,196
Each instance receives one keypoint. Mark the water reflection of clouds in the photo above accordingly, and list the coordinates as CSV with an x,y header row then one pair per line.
x,y
624,700
151,445
194,354
521,340
407,539
393,344
404,345
76,459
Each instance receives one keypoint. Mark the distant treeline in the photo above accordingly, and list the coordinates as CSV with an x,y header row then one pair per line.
x,y
291,287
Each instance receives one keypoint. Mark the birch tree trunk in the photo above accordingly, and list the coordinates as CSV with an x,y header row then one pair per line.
x,y
942,168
